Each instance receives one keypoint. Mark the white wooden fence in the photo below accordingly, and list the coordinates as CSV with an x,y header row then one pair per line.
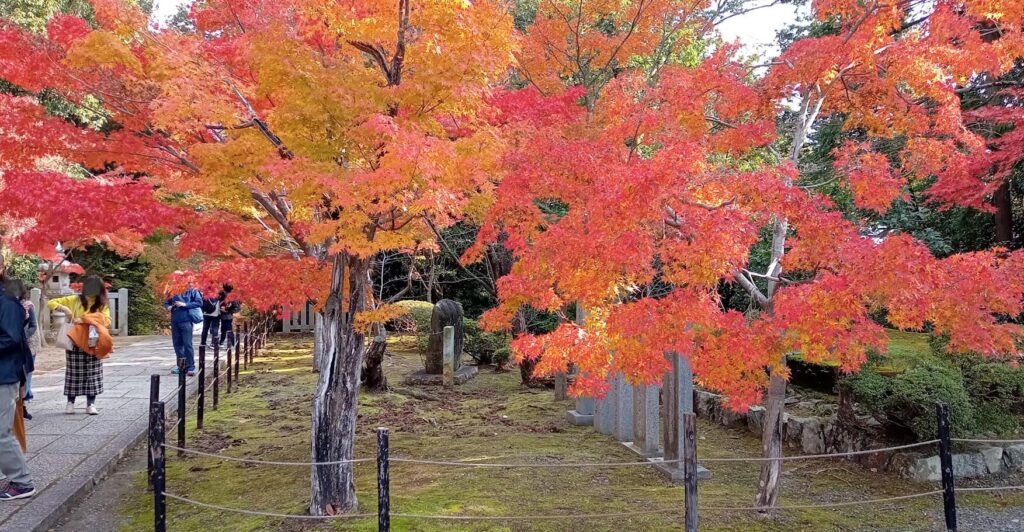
x,y
301,321
118,311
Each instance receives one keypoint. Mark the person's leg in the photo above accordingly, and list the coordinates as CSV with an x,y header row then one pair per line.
x,y
179,342
90,400
12,461
214,330
187,351
28,382
207,324
225,330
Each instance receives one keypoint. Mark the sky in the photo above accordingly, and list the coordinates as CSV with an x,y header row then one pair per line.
x,y
755,30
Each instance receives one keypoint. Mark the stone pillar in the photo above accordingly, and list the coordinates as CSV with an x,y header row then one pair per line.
x,y
448,356
584,412
604,411
585,406
646,426
122,312
678,398
623,409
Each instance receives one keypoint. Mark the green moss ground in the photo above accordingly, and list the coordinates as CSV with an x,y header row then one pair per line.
x,y
491,418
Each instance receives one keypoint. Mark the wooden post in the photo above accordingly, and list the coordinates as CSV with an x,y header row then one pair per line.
x,y
154,397
245,359
247,339
201,400
946,462
690,475
216,374
227,364
448,356
159,476
182,390
237,368
383,482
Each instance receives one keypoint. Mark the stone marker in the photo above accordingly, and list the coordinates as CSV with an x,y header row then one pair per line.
x,y
446,313
678,398
646,425
623,409
604,412
584,412
449,356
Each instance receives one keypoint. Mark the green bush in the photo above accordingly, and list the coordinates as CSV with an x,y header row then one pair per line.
x,y
418,315
502,355
997,391
908,399
480,344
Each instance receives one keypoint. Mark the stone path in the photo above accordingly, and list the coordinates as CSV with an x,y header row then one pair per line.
x,y
68,454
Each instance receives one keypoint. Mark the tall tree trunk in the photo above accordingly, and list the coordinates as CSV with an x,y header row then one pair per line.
x,y
771,441
775,400
337,392
1004,213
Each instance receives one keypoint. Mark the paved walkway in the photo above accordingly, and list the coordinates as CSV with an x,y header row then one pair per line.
x,y
68,454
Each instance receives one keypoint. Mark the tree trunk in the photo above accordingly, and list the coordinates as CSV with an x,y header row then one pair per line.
x,y
322,341
337,392
1004,214
374,371
771,441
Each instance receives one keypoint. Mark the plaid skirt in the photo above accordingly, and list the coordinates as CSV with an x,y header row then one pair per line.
x,y
83,374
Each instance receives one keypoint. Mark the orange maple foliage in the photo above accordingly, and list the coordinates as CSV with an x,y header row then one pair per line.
x,y
666,182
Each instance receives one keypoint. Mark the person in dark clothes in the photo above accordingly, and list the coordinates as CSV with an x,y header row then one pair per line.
x,y
13,354
228,309
211,314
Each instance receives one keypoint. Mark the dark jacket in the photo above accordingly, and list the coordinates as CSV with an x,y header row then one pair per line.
x,y
229,309
13,347
192,300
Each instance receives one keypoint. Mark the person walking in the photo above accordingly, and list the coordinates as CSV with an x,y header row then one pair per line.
x,y
211,317
13,464
185,314
83,374
19,289
228,309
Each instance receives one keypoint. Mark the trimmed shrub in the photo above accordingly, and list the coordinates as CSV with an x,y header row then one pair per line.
x,y
908,400
482,345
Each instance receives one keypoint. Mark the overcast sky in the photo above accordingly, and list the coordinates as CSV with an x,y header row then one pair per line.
x,y
755,30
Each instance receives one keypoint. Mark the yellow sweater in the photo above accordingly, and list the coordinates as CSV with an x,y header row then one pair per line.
x,y
75,304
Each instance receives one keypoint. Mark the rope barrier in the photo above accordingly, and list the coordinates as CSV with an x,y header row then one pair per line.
x,y
263,514
419,516
817,456
992,488
967,440
568,516
534,517
824,505
265,462
578,464
626,464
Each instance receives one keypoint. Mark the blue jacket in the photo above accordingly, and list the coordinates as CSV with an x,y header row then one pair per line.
x,y
192,299
12,340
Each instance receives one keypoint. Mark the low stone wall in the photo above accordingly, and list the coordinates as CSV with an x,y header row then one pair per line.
x,y
821,435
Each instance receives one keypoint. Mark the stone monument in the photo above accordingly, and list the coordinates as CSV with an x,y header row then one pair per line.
x,y
446,313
